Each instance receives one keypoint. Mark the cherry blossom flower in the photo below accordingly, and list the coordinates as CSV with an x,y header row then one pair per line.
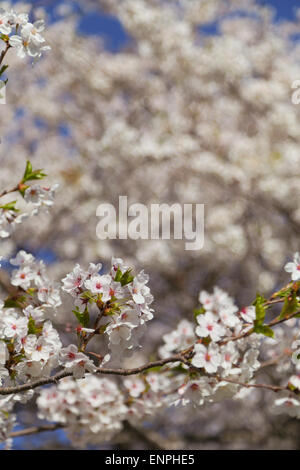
x,y
5,26
229,354
248,314
13,325
34,312
294,267
289,405
208,358
74,281
75,362
294,380
37,349
209,326
100,285
29,42
22,258
22,277
135,386
3,353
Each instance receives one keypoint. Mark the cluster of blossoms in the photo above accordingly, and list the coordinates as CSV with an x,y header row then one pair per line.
x,y
30,273
215,356
288,402
150,392
9,218
40,198
202,363
144,395
123,303
29,344
92,409
181,338
19,33
218,319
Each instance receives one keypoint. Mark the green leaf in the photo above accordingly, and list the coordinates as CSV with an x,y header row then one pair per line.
x,y
264,330
5,413
108,312
260,309
291,304
126,278
28,169
87,295
15,303
118,275
31,291
4,37
2,69
36,175
152,369
83,318
18,358
102,328
260,299
32,328
10,206
282,292
180,369
199,311
291,387
30,175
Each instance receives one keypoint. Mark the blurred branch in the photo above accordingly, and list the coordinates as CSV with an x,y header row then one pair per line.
x,y
152,439
5,283
36,430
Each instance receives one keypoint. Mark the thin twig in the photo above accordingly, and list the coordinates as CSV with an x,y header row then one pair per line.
x,y
273,388
96,325
12,190
3,53
274,322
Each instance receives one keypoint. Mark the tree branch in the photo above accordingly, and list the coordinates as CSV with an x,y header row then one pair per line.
x,y
273,388
274,322
180,357
36,430
3,54
7,191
